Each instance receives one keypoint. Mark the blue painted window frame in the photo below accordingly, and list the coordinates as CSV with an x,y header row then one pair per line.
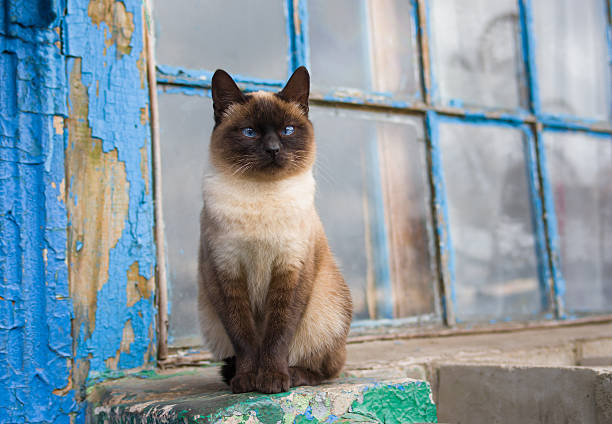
x,y
532,121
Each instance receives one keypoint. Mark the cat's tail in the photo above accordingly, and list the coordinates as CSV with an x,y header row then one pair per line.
x,y
228,369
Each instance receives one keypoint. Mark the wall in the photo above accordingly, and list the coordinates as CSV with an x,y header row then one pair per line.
x,y
77,255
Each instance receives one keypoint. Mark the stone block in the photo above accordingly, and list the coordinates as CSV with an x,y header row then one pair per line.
x,y
199,397
521,394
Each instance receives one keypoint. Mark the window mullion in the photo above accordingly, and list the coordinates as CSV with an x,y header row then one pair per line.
x,y
427,77
550,224
548,299
442,237
529,49
297,31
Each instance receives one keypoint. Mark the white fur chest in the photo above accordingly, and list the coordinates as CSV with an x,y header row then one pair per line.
x,y
262,225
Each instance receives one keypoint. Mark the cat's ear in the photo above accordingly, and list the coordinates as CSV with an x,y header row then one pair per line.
x,y
297,88
224,93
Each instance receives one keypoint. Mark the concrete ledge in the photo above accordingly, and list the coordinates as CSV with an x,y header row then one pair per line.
x,y
528,395
198,396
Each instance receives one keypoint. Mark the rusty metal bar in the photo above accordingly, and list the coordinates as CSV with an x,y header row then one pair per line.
x,y
162,285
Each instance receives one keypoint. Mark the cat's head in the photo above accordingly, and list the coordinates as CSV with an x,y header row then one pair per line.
x,y
262,136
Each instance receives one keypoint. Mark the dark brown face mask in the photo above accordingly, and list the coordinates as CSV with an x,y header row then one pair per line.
x,y
262,135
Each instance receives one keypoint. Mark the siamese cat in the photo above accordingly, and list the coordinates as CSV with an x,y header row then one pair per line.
x,y
272,303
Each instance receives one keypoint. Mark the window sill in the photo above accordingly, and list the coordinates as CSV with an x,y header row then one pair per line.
x,y
178,393
191,356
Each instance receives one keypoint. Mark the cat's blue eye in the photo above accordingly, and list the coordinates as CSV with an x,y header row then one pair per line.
x,y
249,132
288,130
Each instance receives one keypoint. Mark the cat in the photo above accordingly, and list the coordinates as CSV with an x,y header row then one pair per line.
x,y
272,302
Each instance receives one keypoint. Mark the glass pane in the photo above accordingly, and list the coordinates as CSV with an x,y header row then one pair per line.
x,y
364,44
186,123
490,221
476,53
372,195
580,170
572,57
241,36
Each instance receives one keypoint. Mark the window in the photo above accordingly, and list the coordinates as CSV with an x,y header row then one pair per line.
x,y
464,148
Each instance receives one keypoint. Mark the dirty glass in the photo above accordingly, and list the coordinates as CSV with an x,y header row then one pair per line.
x,y
571,56
241,36
476,53
185,123
372,196
363,44
580,172
490,218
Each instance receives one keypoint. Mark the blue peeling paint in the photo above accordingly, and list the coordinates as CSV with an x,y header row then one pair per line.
x,y
537,213
35,308
443,232
183,89
553,236
203,78
115,96
594,134
529,55
574,123
608,11
299,46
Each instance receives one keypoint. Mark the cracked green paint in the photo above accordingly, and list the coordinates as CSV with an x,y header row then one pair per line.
x,y
397,404
406,401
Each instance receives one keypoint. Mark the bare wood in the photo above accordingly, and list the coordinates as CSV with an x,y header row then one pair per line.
x,y
162,286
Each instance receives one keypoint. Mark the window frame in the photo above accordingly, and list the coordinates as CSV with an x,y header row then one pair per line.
x,y
425,105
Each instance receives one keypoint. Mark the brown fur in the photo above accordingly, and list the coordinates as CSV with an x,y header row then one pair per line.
x,y
272,300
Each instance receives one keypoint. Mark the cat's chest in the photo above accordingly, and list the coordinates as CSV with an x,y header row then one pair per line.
x,y
276,212
260,227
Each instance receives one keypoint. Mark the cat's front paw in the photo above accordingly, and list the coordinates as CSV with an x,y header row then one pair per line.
x,y
245,382
273,382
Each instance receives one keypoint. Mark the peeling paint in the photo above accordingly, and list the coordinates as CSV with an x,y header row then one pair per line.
x,y
118,21
111,246
138,287
144,116
141,64
297,28
35,308
127,338
58,124
97,220
445,253
192,399
145,168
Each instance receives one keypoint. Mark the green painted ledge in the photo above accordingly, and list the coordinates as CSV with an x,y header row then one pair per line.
x,y
198,396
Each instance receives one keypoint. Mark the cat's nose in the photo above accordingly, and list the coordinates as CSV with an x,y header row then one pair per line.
x,y
272,148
